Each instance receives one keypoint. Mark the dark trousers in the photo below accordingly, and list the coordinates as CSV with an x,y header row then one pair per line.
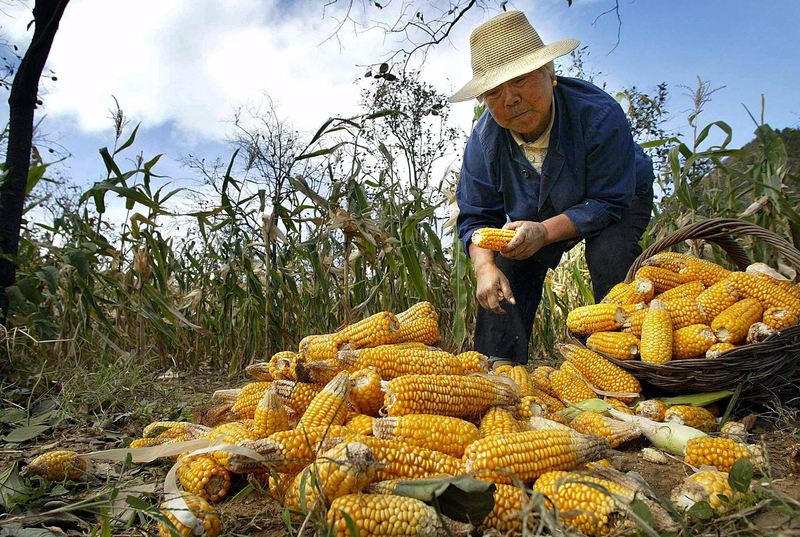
x,y
609,255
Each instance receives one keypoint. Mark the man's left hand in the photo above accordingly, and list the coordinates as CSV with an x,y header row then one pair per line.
x,y
529,239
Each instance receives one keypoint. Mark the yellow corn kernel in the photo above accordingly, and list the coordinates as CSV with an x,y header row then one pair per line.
x,y
601,373
230,433
656,335
718,298
673,261
209,523
541,378
633,324
720,453
419,323
457,396
705,271
204,476
439,433
282,364
56,466
329,407
498,420
165,429
639,290
473,362
731,325
663,279
715,350
492,238
779,318
653,409
366,395
521,378
684,312
693,340
587,503
685,290
380,329
615,432
383,514
618,405
296,395
767,293
705,486
248,399
586,320
530,454
619,345
360,424
391,361
693,416
270,416
569,388
507,513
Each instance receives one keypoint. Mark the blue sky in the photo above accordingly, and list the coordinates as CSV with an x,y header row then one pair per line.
x,y
181,67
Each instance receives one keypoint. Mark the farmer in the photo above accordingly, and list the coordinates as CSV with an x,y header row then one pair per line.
x,y
553,159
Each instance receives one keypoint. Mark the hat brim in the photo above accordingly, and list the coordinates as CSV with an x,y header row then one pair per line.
x,y
530,62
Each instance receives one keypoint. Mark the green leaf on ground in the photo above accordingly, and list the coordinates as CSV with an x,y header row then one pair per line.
x,y
741,475
462,498
701,511
697,399
11,487
23,434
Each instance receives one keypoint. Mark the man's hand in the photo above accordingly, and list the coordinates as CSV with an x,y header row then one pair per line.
x,y
530,237
492,287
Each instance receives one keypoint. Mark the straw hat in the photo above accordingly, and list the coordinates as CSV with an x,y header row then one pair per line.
x,y
506,47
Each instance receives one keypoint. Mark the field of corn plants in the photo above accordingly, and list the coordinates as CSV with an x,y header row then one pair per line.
x,y
114,327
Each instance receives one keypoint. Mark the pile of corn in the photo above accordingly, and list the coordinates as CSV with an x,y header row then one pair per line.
x,y
680,307
338,423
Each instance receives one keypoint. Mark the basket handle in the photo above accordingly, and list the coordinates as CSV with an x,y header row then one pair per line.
x,y
719,231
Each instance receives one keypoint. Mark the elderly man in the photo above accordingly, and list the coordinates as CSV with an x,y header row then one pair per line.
x,y
554,159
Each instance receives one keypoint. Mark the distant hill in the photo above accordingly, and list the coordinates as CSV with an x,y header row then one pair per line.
x,y
791,139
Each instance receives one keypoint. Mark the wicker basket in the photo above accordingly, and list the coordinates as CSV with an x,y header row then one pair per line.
x,y
760,370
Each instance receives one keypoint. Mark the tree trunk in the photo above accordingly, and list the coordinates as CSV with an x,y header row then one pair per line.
x,y
22,103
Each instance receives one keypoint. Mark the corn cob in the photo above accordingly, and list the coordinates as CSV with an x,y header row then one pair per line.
x,y
656,334
762,270
581,504
779,318
231,433
318,372
732,324
685,290
619,345
586,320
734,429
653,409
419,323
270,416
569,388
250,396
366,395
521,378
552,403
705,271
715,350
259,371
502,370
439,433
398,459
537,423
201,509
492,238
284,451
673,261
759,332
329,407
718,298
614,431
633,324
344,469
165,429
693,416
447,395
705,486
137,443
534,406
541,379
391,362
204,476
498,420
282,364
296,395
639,290
473,362
766,292
321,346
720,453
684,312
597,465
383,514
360,424
663,279
618,405
569,367
380,329
386,486
507,513
601,373
530,454
693,340
227,396
56,466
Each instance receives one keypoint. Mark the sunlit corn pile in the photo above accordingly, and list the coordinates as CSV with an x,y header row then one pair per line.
x,y
340,422
680,307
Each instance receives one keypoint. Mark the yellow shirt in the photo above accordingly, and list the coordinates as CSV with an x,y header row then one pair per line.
x,y
536,151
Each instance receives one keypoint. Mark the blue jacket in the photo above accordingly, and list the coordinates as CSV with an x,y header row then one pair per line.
x,y
592,171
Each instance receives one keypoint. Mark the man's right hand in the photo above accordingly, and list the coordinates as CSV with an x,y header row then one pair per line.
x,y
492,287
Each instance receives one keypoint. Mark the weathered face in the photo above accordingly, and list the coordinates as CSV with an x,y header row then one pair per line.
x,y
523,103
